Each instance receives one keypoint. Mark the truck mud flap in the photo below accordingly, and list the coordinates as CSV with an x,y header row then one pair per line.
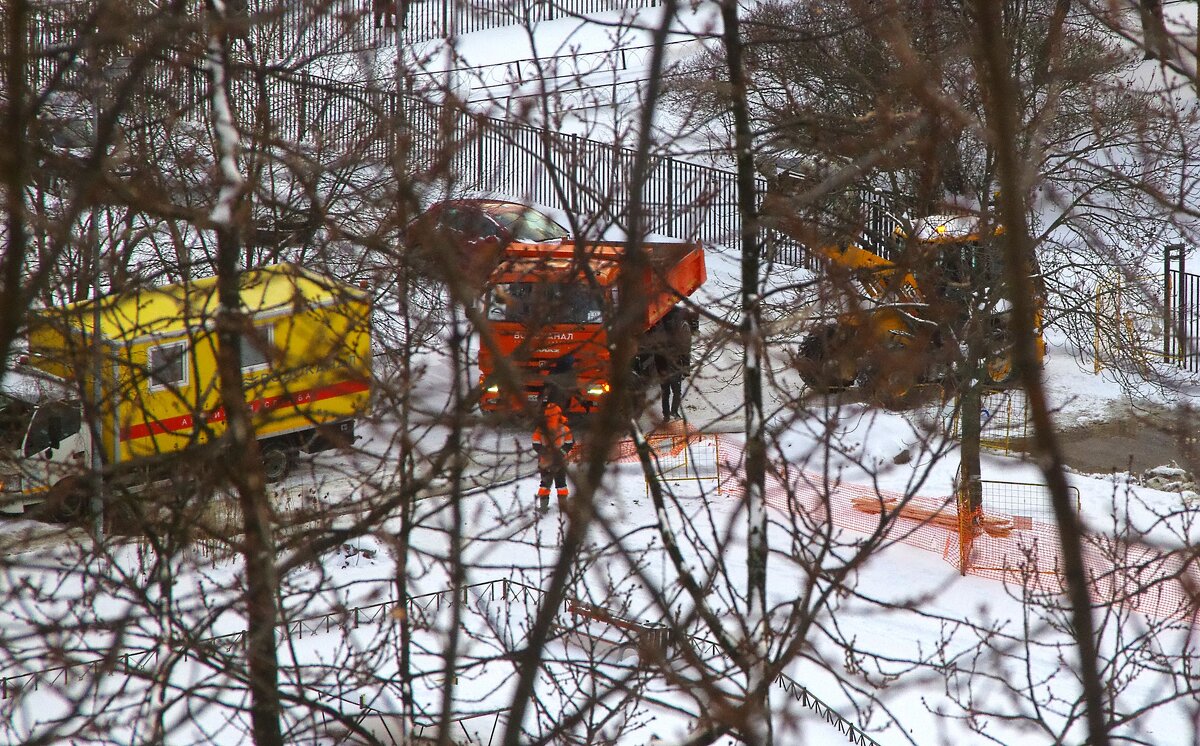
x,y
331,436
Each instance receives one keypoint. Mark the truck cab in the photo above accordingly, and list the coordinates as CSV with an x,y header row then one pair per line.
x,y
43,439
549,307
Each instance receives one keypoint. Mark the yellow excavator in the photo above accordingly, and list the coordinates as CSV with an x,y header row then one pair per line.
x,y
888,326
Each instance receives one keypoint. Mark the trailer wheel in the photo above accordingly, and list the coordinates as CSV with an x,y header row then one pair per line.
x,y
276,461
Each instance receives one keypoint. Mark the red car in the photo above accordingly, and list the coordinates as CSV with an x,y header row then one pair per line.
x,y
477,229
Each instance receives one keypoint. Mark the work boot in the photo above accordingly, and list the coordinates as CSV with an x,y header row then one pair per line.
x,y
544,506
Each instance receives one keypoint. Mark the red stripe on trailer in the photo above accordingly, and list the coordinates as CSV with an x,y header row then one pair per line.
x,y
265,404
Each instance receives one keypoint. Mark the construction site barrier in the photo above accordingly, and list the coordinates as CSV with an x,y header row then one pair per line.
x,y
1023,547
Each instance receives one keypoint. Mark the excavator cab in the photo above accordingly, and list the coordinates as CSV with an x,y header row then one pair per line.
x,y
907,315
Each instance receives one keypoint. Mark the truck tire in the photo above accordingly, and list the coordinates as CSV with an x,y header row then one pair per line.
x,y
68,501
277,460
818,364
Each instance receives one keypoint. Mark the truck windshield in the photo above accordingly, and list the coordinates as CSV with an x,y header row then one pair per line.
x,y
52,423
546,303
530,225
14,422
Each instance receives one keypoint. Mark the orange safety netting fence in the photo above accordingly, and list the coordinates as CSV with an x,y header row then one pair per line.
x,y
1013,538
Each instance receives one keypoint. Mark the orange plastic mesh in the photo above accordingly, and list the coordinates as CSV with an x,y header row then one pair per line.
x,y
1160,584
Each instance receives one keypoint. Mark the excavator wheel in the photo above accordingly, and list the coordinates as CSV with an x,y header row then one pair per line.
x,y
895,374
890,389
1000,369
818,362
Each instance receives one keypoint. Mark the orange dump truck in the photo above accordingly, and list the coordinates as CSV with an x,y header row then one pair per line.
x,y
550,308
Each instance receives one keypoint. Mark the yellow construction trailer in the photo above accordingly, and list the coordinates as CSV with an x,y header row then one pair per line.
x,y
306,366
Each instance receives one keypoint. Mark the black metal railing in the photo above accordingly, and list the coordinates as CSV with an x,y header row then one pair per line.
x,y
801,694
1181,310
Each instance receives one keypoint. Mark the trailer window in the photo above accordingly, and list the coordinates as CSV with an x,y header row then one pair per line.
x,y
166,365
256,348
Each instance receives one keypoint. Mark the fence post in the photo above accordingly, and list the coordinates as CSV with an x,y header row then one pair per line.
x,y
967,520
1168,317
1181,307
669,194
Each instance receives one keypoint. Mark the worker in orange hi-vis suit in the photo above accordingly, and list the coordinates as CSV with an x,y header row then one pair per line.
x,y
552,441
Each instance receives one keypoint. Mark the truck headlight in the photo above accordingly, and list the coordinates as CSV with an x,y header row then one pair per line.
x,y
599,389
493,389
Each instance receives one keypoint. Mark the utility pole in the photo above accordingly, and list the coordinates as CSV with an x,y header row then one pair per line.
x,y
96,505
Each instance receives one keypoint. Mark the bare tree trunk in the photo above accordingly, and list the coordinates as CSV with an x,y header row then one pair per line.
x,y
241,447
757,551
970,402
13,172
1001,100
457,572
407,508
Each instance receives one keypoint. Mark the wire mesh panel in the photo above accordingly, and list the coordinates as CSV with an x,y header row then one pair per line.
x,y
1029,544
687,462
1128,321
1004,420
1022,501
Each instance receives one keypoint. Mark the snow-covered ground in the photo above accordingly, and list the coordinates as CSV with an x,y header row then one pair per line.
x,y
920,591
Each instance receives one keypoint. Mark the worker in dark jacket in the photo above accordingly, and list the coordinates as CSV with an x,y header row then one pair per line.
x,y
673,359
385,13
552,441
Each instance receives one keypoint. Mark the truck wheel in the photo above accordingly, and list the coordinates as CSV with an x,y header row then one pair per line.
x,y
68,501
276,462
818,363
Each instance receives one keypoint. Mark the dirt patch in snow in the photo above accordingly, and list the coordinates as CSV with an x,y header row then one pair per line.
x,y
1132,441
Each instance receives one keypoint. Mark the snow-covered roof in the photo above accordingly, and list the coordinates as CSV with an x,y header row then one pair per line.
x,y
943,227
31,387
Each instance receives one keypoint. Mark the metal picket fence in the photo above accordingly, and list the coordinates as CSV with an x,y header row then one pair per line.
x,y
288,33
339,122
1181,315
